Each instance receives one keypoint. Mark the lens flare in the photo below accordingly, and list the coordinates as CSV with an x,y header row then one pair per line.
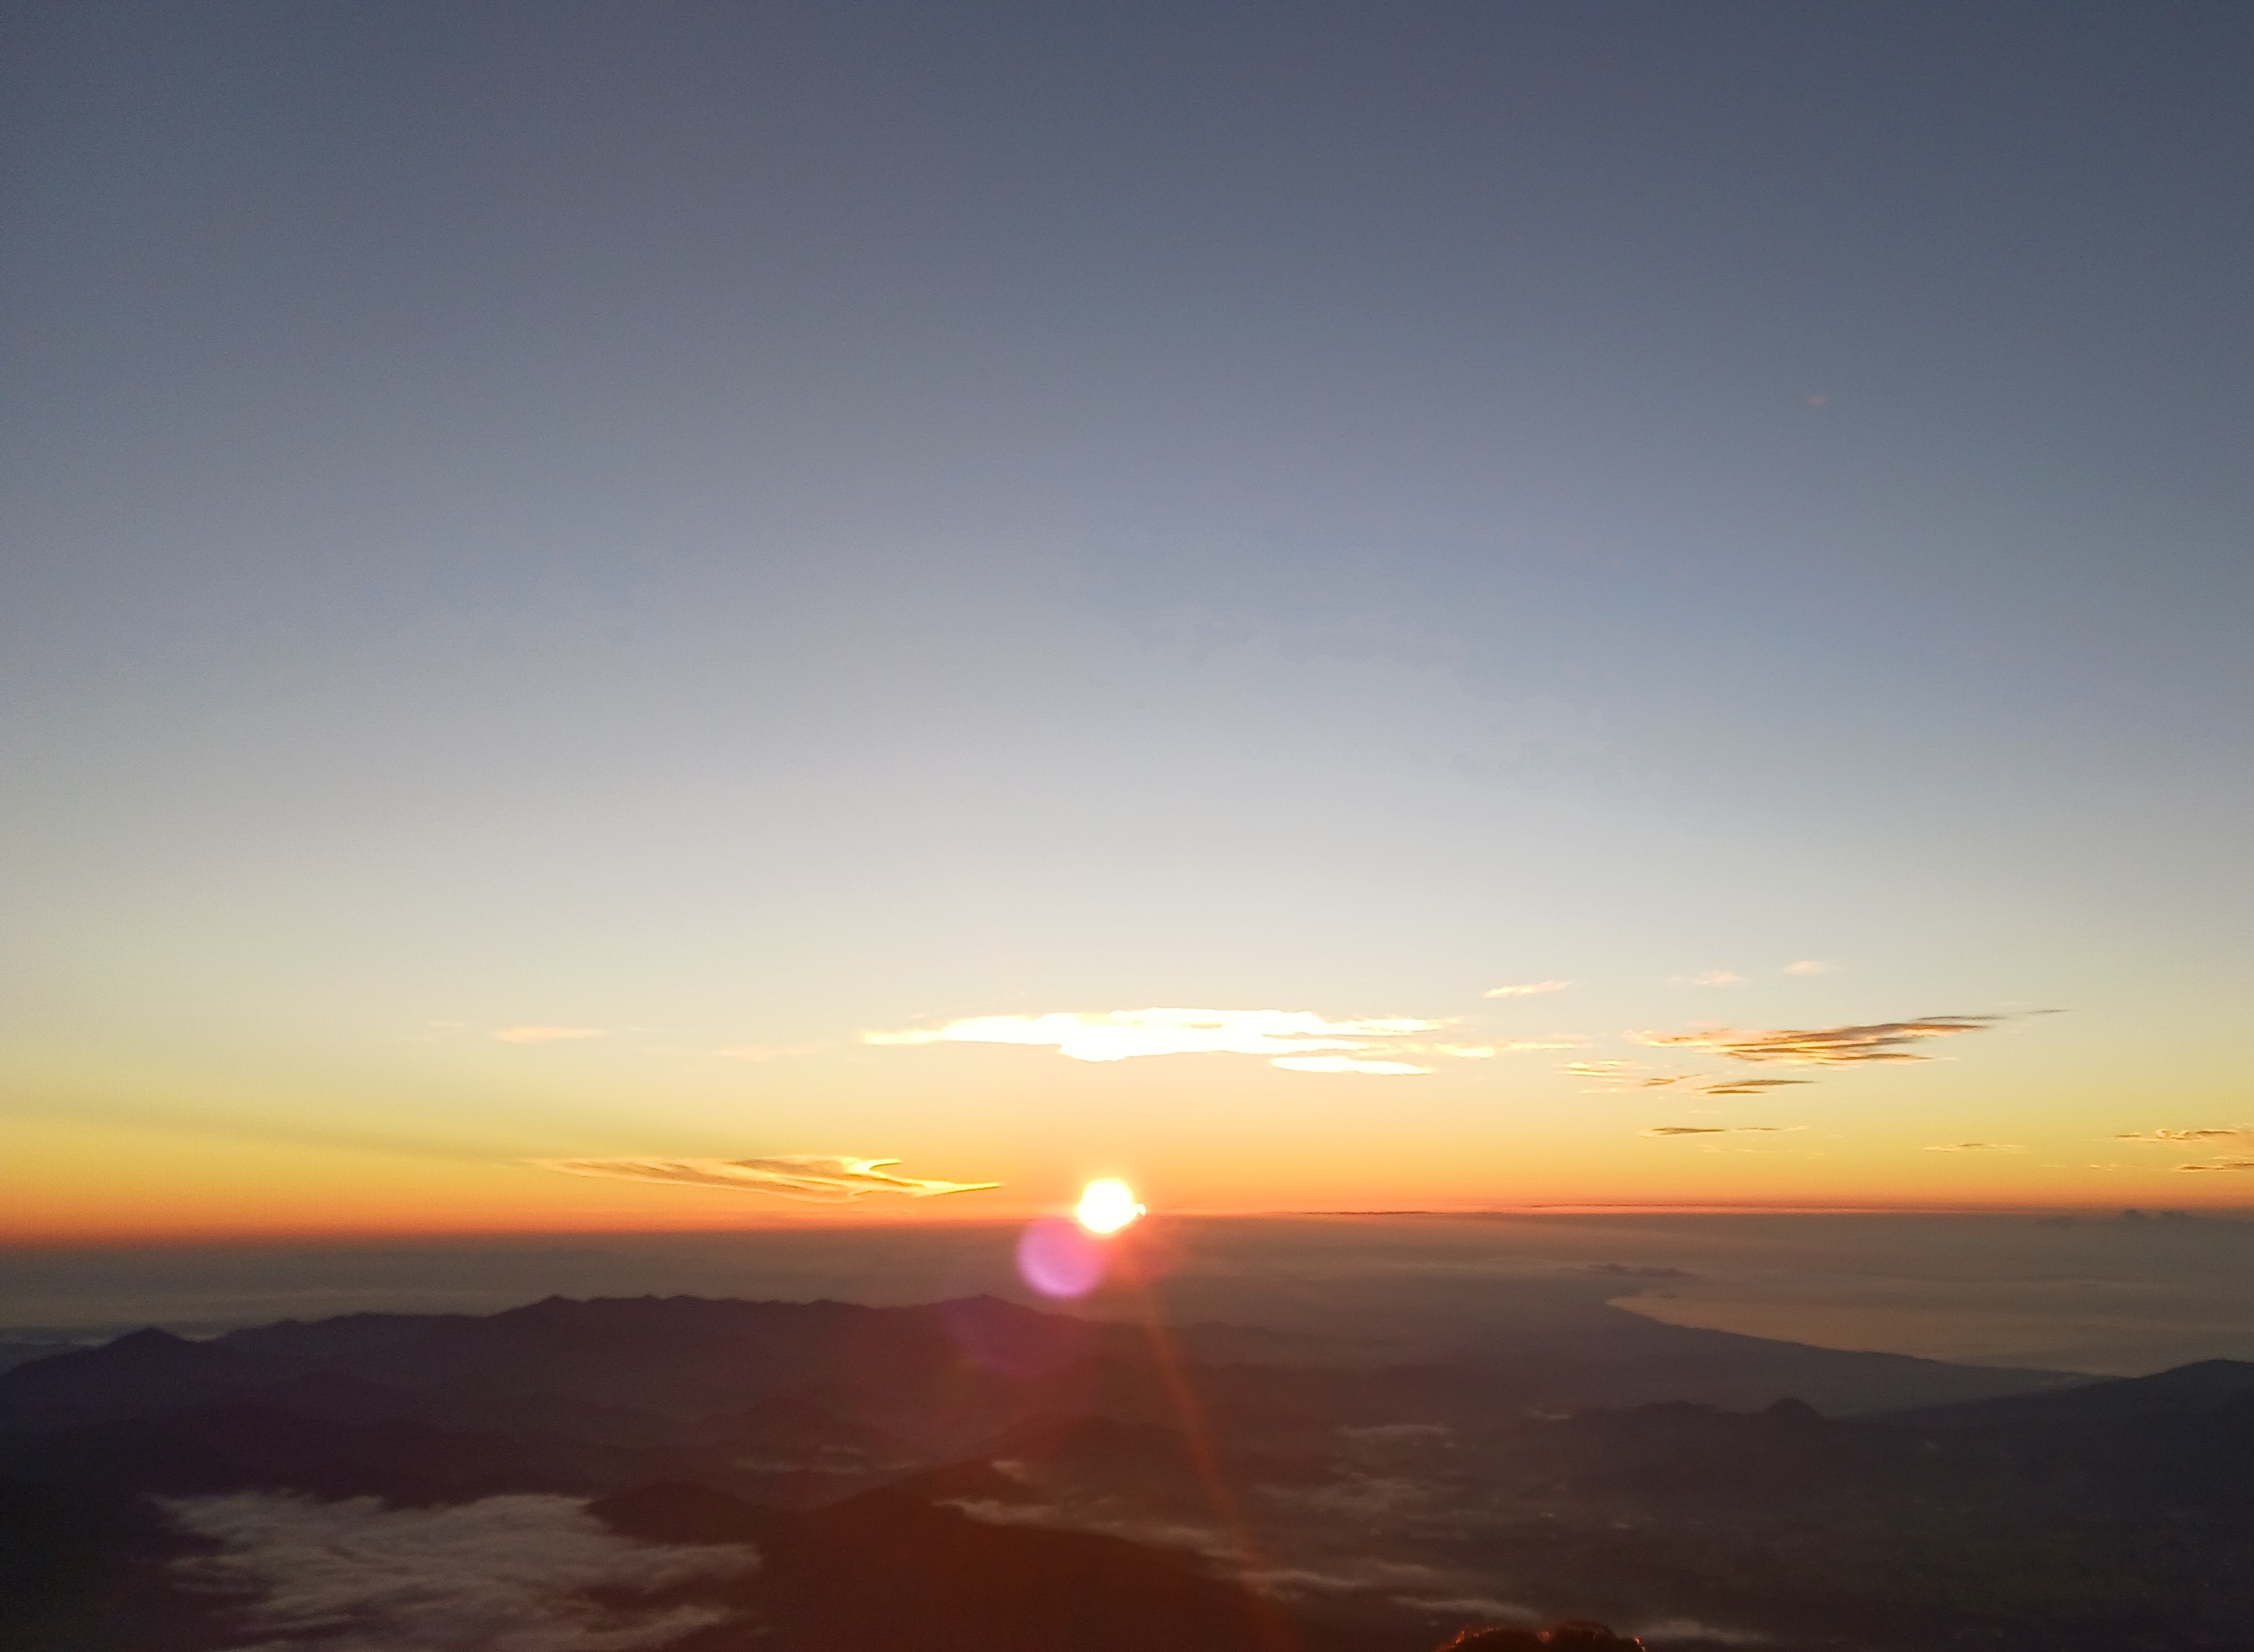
x,y
1106,1206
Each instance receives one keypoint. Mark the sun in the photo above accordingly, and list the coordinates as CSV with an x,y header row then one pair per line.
x,y
1106,1206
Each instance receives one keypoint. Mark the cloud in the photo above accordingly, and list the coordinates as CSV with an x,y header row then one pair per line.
x,y
767,1053
1691,1629
1472,1605
1621,1077
2231,1139
1345,1064
2231,1136
1708,979
808,1178
1526,990
1823,1047
523,1573
1723,1130
1286,1037
1978,1147
545,1034
1810,966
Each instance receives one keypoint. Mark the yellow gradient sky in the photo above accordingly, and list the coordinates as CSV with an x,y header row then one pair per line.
x,y
711,595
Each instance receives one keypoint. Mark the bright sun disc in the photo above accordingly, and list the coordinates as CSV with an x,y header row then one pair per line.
x,y
1106,1206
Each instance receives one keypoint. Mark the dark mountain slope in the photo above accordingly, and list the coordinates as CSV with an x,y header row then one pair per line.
x,y
133,1375
888,1572
2207,1385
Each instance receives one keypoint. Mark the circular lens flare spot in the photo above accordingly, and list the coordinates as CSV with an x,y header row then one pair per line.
x,y
1060,1260
1106,1206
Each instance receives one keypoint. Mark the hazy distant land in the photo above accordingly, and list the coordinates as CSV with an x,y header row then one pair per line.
x,y
2100,1293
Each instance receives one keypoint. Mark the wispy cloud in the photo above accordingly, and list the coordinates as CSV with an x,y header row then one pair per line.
x,y
2240,1137
1619,1077
1346,1064
767,1053
811,1179
1823,1047
1526,990
2226,1142
532,1573
1723,1130
546,1034
1978,1147
1708,979
1810,966
1298,1041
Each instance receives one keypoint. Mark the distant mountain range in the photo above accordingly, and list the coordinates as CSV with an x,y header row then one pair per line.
x,y
976,1473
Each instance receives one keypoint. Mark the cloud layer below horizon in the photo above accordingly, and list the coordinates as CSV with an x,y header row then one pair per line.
x,y
522,1573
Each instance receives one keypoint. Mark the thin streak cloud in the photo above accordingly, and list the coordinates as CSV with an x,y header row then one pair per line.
x,y
1723,1130
1346,1064
1824,1046
1978,1147
1526,990
1290,1038
807,1178
2231,1139
546,1034
1620,1077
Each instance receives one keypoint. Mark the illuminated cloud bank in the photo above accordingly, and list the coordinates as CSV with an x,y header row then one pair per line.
x,y
805,1177
1298,1041
1824,1046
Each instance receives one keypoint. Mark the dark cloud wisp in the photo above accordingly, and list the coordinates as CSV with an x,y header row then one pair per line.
x,y
1824,1046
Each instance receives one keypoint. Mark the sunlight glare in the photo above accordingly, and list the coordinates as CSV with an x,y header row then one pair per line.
x,y
1106,1206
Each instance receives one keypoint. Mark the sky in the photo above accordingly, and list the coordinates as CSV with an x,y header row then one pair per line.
x,y
702,615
